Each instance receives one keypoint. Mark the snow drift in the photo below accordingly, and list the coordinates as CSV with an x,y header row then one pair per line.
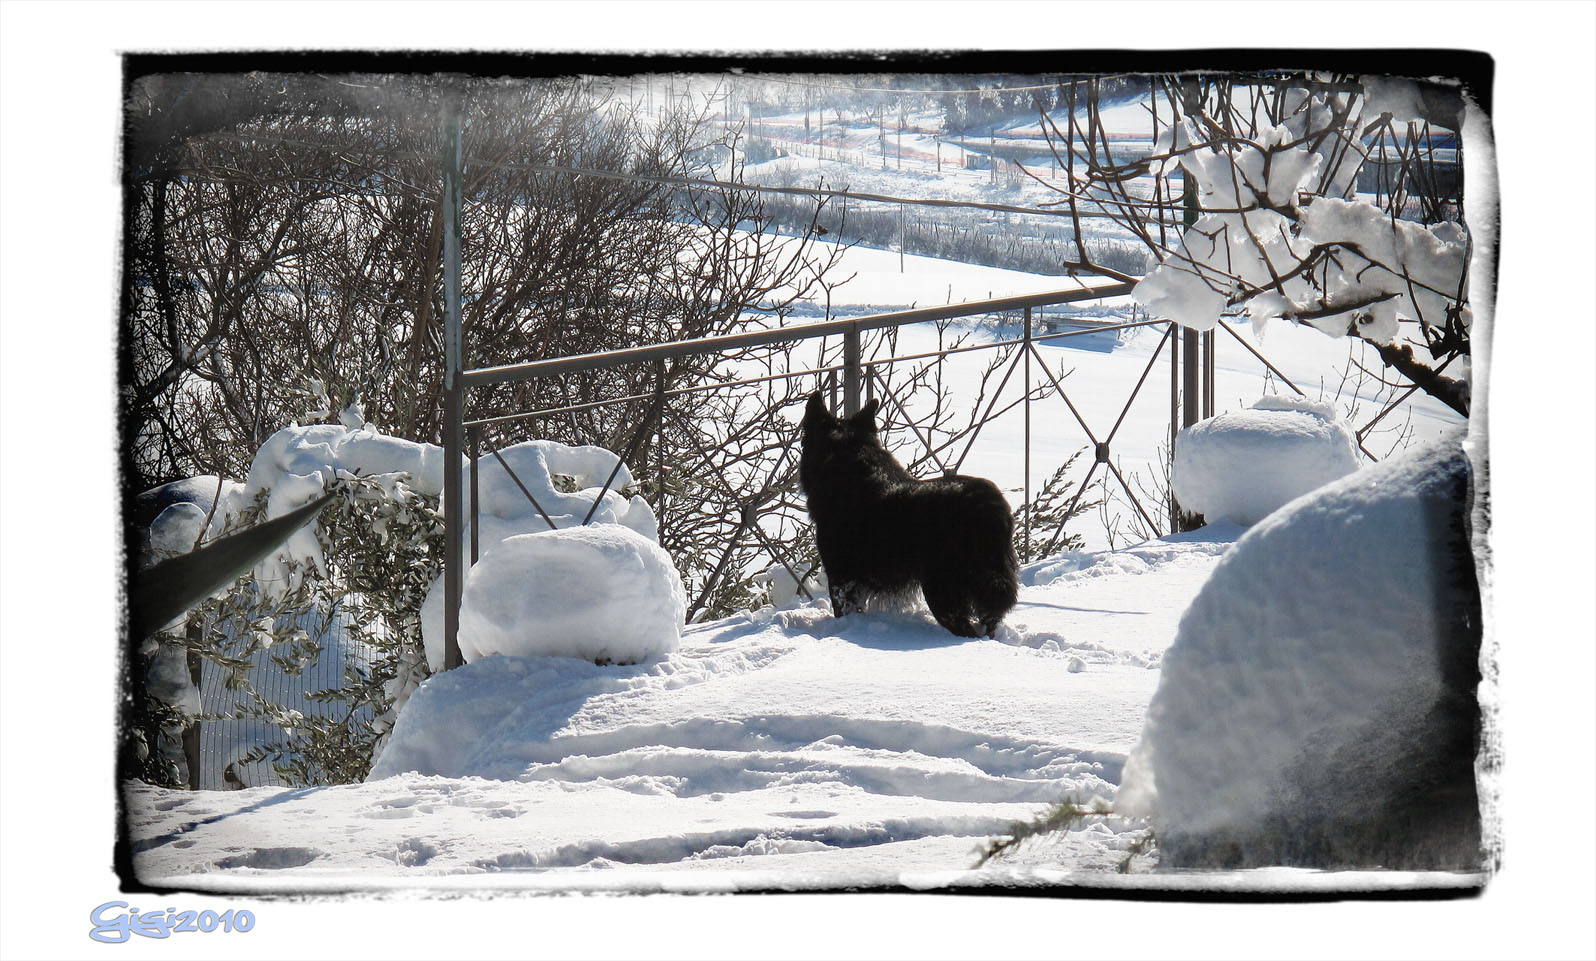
x,y
604,593
1241,466
564,484
1319,704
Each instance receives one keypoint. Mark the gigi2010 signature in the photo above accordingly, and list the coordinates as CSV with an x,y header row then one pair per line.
x,y
115,922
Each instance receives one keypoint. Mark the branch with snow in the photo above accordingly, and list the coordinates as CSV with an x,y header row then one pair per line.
x,y
1282,230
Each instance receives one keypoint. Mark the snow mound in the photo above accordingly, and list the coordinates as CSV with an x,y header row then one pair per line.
x,y
504,511
1241,466
603,593
1319,704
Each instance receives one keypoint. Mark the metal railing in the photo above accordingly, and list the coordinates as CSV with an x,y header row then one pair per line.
x,y
857,375
1192,389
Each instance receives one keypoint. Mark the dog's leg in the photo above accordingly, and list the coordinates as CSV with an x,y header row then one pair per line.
x,y
845,599
950,606
991,596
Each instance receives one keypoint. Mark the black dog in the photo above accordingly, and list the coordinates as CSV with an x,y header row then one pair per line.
x,y
882,532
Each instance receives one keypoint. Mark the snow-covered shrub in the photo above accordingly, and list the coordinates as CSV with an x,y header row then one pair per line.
x,y
1242,465
1266,251
1275,224
603,593
1319,704
609,592
366,562
566,482
376,548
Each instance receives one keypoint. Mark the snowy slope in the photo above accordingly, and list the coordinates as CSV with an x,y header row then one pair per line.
x,y
786,747
781,750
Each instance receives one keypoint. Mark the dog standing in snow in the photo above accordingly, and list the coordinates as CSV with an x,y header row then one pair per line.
x,y
883,533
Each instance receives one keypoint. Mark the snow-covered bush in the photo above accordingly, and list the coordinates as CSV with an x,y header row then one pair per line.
x,y
603,593
1319,704
565,482
366,563
375,548
1242,465
606,592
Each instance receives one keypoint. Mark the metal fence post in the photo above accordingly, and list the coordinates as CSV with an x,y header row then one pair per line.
x,y
473,442
659,458
1028,509
453,388
1191,392
1208,373
850,371
1174,415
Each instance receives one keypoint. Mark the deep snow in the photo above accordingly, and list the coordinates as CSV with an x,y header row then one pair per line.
x,y
778,749
1242,465
787,747
1319,702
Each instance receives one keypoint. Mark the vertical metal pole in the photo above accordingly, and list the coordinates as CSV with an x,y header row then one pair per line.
x,y
473,440
453,388
1191,384
1207,374
659,459
1191,387
1174,416
1189,337
1028,511
850,372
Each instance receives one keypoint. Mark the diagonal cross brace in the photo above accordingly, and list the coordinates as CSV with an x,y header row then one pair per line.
x,y
642,428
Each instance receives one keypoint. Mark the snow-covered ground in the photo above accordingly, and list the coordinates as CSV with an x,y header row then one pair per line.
x,y
780,749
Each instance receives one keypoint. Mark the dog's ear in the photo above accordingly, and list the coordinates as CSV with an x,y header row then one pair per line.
x,y
867,413
816,411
